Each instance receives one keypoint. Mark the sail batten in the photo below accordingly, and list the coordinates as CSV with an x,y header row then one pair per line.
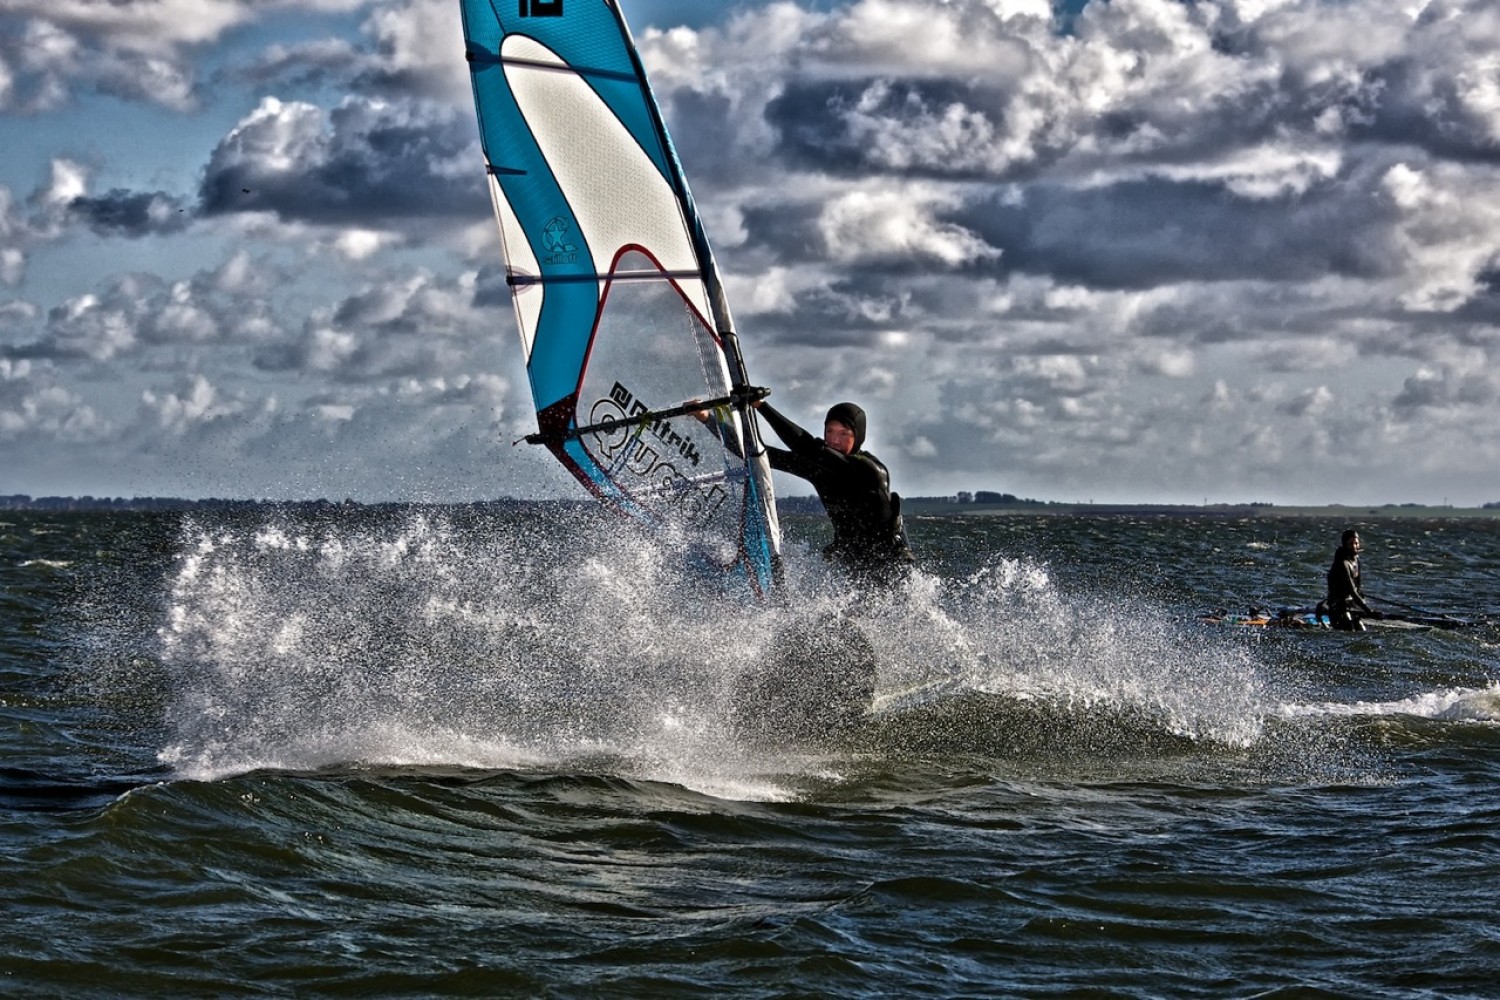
x,y
642,275
616,292
491,59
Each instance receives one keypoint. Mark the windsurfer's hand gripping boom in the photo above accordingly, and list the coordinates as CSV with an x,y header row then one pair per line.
x,y
697,407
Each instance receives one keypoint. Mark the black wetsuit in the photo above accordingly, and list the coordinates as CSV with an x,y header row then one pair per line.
x,y
868,535
1345,600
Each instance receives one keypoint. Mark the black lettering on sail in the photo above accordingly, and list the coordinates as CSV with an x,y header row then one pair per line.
x,y
541,8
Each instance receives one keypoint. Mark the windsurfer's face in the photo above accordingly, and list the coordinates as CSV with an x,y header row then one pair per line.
x,y
839,437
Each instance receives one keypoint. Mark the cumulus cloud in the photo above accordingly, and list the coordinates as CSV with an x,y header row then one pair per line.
x,y
1312,402
410,47
10,220
863,225
196,403
51,203
16,314
92,326
141,50
33,405
1445,232
416,50
12,265
138,312
1175,363
413,327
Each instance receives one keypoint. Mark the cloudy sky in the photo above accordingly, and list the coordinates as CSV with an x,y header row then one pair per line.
x,y
1144,250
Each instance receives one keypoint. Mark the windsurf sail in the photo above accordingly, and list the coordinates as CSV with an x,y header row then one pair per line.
x,y
621,309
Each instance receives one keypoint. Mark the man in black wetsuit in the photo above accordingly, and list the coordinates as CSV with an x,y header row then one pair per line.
x,y
869,537
1345,602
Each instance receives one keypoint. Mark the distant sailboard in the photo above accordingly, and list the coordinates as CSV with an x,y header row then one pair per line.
x,y
621,309
1317,618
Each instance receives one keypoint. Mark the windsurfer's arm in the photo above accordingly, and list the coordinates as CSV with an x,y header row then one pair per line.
x,y
796,438
808,458
1359,598
721,430
780,459
1343,586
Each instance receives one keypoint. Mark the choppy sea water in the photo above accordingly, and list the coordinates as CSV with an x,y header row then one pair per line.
x,y
452,752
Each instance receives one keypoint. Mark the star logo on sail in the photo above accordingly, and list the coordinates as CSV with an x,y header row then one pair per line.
x,y
555,240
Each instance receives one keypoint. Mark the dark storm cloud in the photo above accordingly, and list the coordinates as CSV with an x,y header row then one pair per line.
x,y
787,231
1134,234
1145,159
824,125
339,66
326,63
1405,77
362,163
491,290
1431,119
963,129
1444,388
848,313
707,139
1484,306
131,214
1142,234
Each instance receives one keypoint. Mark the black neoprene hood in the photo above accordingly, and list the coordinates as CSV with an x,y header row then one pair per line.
x,y
852,417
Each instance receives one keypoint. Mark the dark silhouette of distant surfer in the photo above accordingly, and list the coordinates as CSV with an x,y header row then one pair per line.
x,y
869,535
1345,604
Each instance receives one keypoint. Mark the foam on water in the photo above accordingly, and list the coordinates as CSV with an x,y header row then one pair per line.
x,y
299,644
1026,638
1448,705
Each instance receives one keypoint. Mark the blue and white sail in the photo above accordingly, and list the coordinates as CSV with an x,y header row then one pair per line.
x,y
621,309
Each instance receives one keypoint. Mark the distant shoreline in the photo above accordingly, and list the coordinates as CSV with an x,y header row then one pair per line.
x,y
916,506
912,506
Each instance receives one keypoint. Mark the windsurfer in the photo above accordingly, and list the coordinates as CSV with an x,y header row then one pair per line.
x,y
869,536
1345,604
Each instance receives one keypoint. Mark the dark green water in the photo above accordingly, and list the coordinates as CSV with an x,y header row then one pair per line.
x,y
449,753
